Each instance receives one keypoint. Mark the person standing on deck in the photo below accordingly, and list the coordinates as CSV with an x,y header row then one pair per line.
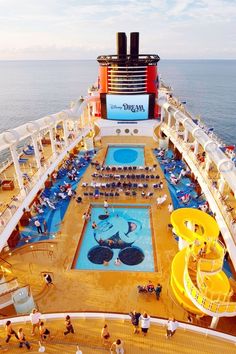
x,y
105,204
172,325
145,323
45,227
158,291
135,320
78,351
35,320
170,208
38,225
204,249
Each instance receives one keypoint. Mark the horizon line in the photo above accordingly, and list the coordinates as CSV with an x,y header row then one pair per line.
x,y
95,59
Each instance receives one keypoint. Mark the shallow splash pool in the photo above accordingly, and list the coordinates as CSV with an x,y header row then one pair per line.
x,y
120,155
124,233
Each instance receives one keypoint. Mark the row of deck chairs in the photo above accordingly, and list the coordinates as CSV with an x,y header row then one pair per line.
x,y
128,176
125,168
132,193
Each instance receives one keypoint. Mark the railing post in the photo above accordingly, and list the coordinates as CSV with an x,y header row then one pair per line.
x,y
17,166
36,151
214,322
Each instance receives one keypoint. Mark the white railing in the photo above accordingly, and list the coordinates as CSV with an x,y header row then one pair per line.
x,y
215,193
120,317
14,210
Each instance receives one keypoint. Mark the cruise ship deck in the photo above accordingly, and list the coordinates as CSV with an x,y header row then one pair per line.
x,y
109,206
93,288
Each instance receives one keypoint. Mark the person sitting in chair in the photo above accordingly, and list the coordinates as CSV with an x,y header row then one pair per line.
x,y
150,287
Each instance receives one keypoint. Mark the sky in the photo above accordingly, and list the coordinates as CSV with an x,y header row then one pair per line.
x,y
84,29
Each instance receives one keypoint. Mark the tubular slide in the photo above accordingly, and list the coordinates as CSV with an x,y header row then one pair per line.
x,y
197,279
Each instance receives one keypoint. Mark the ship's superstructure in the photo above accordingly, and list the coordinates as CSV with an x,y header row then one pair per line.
x,y
128,83
83,164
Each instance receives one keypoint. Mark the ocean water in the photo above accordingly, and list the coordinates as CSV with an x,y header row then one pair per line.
x,y
32,89
209,89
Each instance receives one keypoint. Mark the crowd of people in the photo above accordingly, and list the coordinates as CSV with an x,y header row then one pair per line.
x,y
140,322
68,174
150,288
178,175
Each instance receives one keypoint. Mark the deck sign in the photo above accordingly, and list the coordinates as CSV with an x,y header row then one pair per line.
x,y
127,107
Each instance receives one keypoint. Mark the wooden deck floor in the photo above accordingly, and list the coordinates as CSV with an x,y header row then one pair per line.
x,y
100,290
80,290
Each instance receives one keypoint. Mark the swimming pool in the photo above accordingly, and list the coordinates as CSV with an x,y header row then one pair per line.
x,y
120,155
123,233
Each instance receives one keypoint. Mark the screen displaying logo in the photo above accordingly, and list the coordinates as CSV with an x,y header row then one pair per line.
x,y
125,107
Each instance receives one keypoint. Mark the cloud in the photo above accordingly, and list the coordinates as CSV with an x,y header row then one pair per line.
x,y
86,28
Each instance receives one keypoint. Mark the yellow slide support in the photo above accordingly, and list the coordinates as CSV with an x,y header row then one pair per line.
x,y
197,280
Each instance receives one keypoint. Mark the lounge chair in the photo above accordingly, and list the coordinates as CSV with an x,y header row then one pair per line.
x,y
22,160
28,152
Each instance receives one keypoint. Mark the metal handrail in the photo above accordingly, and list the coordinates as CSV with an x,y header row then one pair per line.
x,y
4,261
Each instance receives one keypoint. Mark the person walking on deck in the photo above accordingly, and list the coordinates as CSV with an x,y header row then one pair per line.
x,y
105,335
10,331
44,332
117,347
22,340
69,327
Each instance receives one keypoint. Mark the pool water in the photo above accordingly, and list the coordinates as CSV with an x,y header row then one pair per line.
x,y
124,233
125,155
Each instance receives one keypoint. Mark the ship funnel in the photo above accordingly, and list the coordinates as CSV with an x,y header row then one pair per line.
x,y
121,42
134,45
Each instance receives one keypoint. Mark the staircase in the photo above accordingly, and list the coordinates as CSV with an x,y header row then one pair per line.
x,y
13,294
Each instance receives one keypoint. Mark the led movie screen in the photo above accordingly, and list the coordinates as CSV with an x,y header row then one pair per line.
x,y
127,107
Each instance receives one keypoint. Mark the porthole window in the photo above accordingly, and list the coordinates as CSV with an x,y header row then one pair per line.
x,y
135,131
127,131
118,131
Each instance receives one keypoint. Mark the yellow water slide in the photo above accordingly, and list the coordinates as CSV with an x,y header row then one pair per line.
x,y
197,279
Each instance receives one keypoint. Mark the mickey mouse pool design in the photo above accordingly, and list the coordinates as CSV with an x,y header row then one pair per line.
x,y
121,241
